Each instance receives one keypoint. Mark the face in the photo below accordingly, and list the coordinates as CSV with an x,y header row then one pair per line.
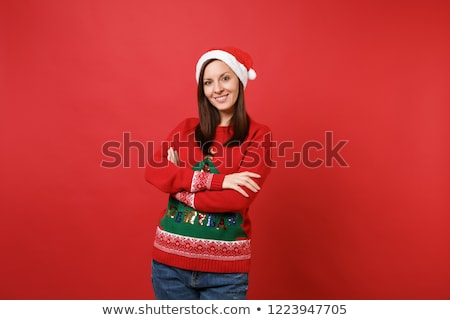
x,y
221,86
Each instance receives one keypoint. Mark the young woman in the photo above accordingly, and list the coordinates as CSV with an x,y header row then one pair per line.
x,y
213,168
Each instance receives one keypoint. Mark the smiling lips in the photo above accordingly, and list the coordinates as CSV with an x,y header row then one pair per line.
x,y
221,99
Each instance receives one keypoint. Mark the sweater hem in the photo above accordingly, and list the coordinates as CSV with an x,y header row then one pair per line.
x,y
202,265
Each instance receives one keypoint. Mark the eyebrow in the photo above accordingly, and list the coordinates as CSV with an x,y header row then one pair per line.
x,y
226,72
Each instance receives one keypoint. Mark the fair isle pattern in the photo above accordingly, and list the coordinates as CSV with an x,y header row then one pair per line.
x,y
201,180
185,197
202,248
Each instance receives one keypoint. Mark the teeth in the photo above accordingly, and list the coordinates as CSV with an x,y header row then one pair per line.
x,y
222,98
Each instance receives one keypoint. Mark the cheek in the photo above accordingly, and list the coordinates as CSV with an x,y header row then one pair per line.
x,y
207,91
208,94
235,90
234,87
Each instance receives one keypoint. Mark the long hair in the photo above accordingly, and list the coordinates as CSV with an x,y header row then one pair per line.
x,y
210,117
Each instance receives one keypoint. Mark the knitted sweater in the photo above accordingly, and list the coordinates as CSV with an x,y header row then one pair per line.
x,y
204,227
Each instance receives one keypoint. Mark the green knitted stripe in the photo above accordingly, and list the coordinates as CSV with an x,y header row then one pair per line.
x,y
205,164
184,220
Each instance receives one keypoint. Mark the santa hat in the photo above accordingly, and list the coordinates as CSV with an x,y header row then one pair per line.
x,y
239,61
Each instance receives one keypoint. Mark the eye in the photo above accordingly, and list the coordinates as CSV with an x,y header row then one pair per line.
x,y
207,82
226,78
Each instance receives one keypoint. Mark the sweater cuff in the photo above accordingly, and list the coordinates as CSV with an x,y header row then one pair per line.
x,y
186,197
201,180
216,182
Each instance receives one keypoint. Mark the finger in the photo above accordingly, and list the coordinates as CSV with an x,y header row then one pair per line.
x,y
241,191
252,185
249,183
251,174
170,155
176,158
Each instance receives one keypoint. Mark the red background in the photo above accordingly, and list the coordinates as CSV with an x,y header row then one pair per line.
x,y
76,74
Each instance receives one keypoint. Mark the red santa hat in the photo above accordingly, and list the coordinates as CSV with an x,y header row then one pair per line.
x,y
239,61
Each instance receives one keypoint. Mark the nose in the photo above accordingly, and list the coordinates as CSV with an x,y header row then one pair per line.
x,y
217,87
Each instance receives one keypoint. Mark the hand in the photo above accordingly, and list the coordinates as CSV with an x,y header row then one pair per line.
x,y
172,156
234,181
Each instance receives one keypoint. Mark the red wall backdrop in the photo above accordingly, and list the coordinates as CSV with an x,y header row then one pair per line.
x,y
76,74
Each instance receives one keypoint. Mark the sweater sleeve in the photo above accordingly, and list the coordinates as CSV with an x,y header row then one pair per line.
x,y
257,159
170,178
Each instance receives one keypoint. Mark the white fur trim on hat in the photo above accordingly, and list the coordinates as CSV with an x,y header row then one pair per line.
x,y
238,68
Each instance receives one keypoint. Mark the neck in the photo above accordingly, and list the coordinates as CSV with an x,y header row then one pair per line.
x,y
225,118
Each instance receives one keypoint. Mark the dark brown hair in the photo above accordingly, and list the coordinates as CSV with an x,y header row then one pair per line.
x,y
210,117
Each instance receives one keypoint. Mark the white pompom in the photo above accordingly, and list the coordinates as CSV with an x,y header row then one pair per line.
x,y
251,74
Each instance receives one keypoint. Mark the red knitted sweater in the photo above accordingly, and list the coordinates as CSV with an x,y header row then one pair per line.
x,y
204,227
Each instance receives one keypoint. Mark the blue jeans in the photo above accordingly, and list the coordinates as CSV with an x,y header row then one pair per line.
x,y
170,283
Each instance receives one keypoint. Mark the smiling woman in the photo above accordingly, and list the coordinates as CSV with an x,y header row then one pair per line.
x,y
202,243
356,92
221,87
